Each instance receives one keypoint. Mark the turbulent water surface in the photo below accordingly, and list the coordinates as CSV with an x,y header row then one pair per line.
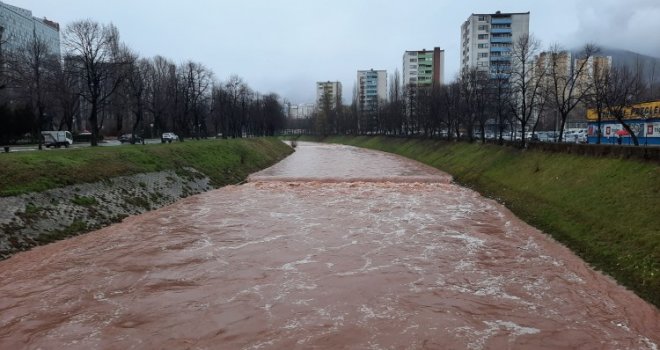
x,y
335,247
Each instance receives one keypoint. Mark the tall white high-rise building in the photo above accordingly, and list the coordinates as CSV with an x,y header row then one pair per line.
x,y
371,89
18,28
487,40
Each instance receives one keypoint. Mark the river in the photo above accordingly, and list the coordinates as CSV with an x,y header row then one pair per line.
x,y
334,247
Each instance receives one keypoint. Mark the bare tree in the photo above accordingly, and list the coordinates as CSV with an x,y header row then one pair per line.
x,y
3,41
137,84
569,87
501,95
161,81
325,110
396,107
526,81
475,92
66,95
31,69
93,46
596,98
621,86
451,105
196,84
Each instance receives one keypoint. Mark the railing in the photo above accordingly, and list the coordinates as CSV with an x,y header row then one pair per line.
x,y
506,20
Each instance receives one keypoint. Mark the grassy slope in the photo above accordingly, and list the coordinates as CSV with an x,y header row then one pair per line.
x,y
606,210
224,161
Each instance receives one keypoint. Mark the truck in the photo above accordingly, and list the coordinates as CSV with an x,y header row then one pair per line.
x,y
57,138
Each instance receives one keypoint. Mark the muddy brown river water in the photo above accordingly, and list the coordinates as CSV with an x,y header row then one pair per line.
x,y
333,248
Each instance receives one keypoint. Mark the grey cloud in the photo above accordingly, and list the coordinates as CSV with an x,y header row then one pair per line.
x,y
633,25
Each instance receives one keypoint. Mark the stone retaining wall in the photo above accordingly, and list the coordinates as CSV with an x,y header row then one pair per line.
x,y
39,218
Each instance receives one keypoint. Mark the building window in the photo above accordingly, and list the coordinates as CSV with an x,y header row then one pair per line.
x,y
482,46
483,27
481,18
413,60
483,36
483,54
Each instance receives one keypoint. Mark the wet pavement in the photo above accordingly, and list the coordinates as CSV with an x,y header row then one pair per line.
x,y
335,247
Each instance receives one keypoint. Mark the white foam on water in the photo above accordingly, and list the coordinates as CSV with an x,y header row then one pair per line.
x,y
470,242
515,329
479,338
292,265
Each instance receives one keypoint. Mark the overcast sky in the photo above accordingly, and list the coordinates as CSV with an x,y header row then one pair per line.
x,y
285,46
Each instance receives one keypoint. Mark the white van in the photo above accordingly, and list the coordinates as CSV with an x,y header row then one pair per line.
x,y
57,138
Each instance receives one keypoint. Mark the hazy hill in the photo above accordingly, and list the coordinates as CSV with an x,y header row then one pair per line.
x,y
629,58
649,64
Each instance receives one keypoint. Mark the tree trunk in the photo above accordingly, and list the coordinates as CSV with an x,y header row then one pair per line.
x,y
93,120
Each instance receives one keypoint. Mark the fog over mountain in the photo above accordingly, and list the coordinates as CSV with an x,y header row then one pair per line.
x,y
632,25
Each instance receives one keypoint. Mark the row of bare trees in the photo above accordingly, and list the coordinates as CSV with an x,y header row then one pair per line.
x,y
102,86
531,90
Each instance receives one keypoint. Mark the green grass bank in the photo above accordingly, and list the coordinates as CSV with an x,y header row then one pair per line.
x,y
606,210
224,161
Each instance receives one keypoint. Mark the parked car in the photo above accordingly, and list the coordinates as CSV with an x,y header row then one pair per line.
x,y
575,136
168,137
132,138
546,136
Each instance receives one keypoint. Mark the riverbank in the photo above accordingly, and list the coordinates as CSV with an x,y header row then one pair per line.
x,y
224,161
604,209
50,195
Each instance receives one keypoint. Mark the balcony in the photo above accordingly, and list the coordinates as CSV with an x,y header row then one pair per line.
x,y
500,59
500,30
500,49
501,40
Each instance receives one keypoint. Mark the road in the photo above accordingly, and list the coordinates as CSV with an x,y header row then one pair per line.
x,y
107,143
334,247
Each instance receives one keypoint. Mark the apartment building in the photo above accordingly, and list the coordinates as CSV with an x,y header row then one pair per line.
x,y
424,68
487,40
594,66
332,88
300,111
18,28
551,64
371,89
